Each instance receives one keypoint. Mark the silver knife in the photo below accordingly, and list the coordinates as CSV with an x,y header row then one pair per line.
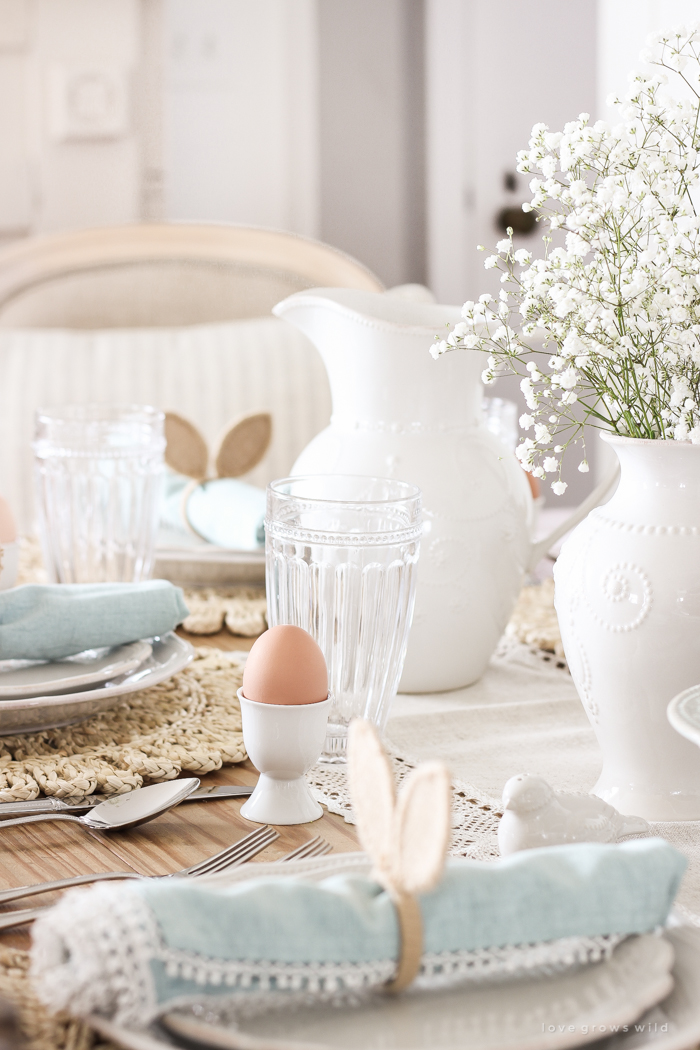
x,y
50,805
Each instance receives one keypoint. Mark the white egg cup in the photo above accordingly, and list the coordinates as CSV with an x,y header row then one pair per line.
x,y
283,741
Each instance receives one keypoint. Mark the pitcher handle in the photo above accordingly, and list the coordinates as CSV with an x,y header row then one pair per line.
x,y
596,497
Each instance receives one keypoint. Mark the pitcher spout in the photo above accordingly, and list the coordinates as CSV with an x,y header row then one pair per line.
x,y
376,308
376,349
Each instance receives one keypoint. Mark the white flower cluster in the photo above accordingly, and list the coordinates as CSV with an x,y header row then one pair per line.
x,y
605,327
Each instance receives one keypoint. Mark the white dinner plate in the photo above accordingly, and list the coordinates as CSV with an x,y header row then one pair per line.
x,y
628,991
684,713
20,678
205,565
169,655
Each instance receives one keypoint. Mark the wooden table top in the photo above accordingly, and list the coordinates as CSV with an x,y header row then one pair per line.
x,y
181,837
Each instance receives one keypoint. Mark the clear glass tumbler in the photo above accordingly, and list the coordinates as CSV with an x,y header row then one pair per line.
x,y
341,563
98,471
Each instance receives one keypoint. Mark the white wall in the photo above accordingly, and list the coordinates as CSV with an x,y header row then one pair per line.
x,y
623,26
220,115
240,112
372,134
54,58
222,119
493,70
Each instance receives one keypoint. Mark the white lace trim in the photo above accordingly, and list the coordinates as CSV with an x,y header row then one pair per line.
x,y
273,976
437,968
515,960
531,960
91,954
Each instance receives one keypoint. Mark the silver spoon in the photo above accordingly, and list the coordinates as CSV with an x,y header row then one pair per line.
x,y
122,811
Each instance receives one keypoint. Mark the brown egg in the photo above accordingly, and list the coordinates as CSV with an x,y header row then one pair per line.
x,y
8,529
285,666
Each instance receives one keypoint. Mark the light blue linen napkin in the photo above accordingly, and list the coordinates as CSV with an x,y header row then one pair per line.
x,y
49,622
183,940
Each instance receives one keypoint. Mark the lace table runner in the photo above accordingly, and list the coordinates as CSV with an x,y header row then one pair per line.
x,y
523,716
474,816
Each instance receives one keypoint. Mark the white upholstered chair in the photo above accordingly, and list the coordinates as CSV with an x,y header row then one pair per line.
x,y
172,315
164,275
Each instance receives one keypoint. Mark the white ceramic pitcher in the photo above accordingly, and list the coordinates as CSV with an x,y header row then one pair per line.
x,y
398,413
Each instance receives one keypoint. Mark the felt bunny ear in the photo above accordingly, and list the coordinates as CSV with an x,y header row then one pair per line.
x,y
421,829
373,795
406,841
185,450
243,445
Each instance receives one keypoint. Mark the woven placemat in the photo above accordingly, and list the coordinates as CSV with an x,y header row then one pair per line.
x,y
241,610
27,1023
534,621
189,723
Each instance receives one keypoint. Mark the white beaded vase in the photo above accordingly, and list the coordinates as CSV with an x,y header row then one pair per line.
x,y
627,594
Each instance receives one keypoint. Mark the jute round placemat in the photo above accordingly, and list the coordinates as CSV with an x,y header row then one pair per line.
x,y
241,610
189,723
25,1023
534,621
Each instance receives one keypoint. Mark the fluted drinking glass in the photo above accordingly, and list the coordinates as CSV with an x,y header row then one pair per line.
x,y
98,471
341,557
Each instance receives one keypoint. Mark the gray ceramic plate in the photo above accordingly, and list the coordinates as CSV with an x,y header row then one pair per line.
x,y
684,714
630,991
19,678
204,565
170,654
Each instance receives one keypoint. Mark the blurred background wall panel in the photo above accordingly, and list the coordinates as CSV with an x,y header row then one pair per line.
x,y
386,129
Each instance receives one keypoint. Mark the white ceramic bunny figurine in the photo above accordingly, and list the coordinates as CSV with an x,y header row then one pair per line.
x,y
405,837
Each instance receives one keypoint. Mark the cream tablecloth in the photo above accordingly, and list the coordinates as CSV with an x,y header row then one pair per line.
x,y
524,716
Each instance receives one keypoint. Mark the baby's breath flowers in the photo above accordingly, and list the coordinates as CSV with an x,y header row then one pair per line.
x,y
605,327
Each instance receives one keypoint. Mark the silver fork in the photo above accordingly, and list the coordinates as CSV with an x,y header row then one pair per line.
x,y
315,847
245,849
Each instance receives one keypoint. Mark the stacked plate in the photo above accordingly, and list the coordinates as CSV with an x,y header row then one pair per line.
x,y
646,994
39,694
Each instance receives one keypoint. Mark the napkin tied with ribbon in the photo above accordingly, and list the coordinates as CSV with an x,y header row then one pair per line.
x,y
131,951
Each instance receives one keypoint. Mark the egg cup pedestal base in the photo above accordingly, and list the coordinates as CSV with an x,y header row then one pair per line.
x,y
281,801
283,742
